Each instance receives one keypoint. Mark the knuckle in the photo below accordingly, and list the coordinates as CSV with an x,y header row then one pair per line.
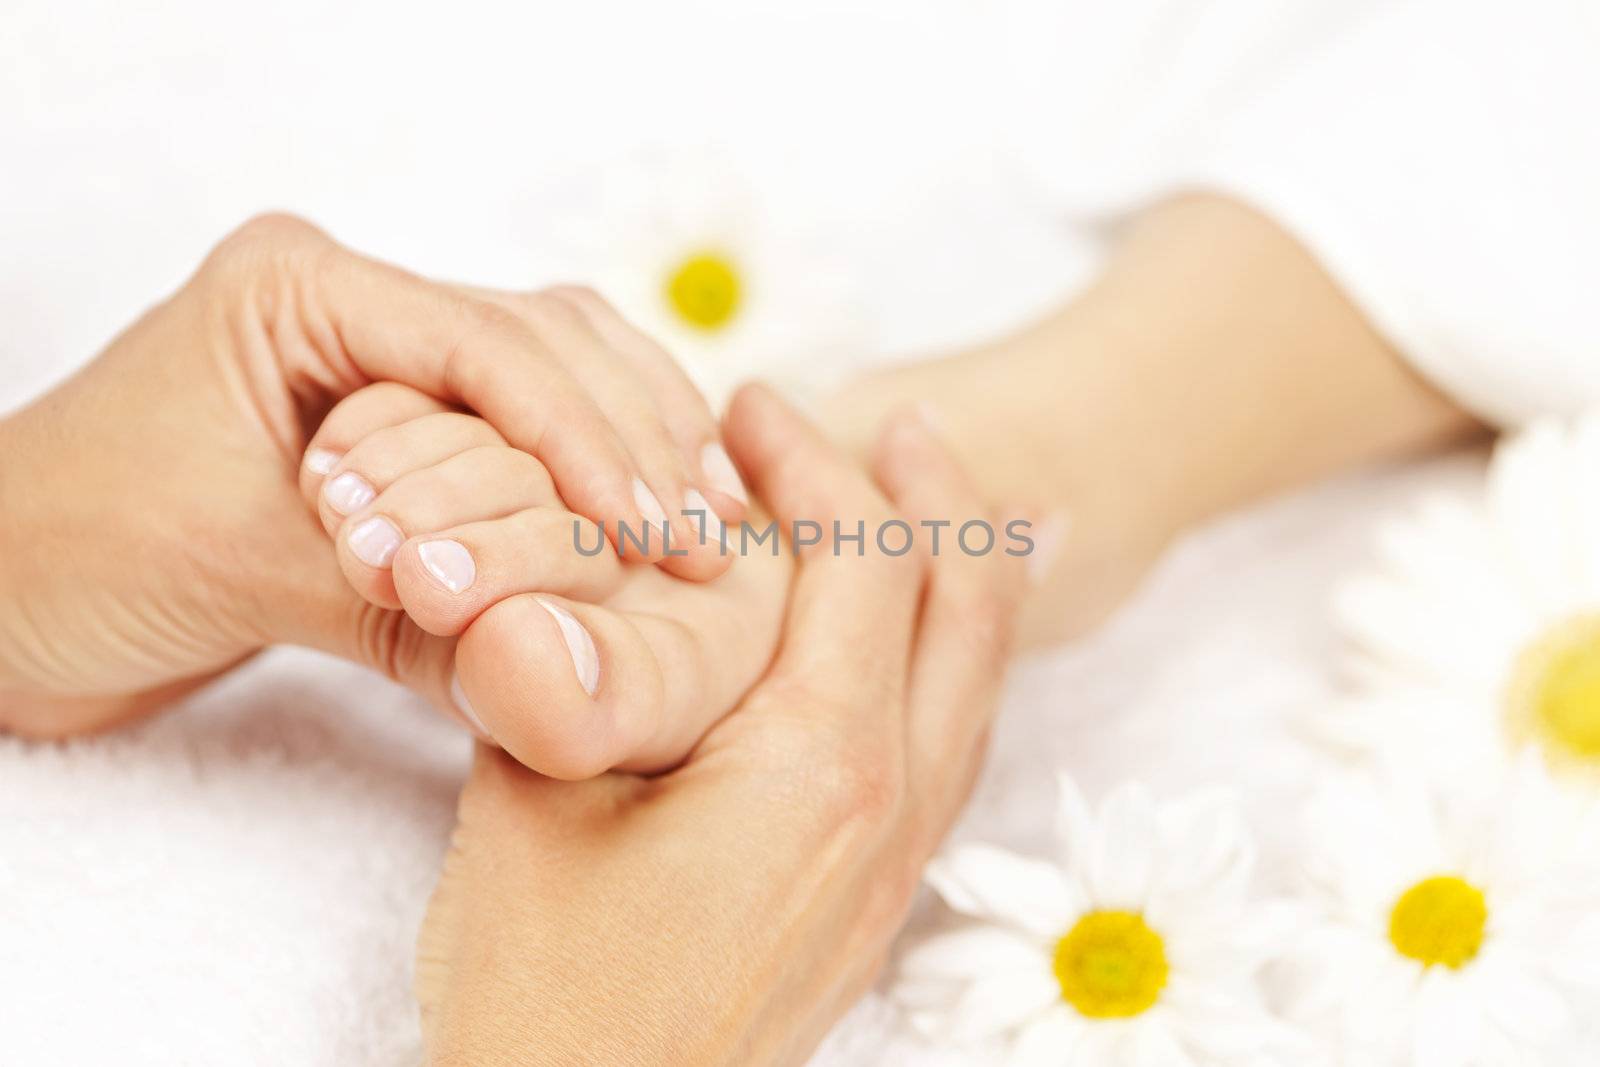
x,y
489,317
276,226
470,430
546,311
270,245
855,781
580,296
266,232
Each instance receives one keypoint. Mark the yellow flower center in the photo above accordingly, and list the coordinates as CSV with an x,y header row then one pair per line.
x,y
1555,693
1439,920
1111,965
704,290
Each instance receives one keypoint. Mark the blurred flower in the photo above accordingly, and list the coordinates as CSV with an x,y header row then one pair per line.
x,y
692,254
1481,632
1453,929
1139,944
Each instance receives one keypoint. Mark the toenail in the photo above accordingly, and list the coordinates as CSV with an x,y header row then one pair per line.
x,y
721,474
585,659
374,541
448,563
348,492
321,460
464,706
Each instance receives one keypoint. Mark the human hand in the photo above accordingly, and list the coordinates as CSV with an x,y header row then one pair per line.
x,y
729,912
151,533
572,659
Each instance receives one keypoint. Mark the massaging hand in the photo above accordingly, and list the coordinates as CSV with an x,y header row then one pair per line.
x,y
728,912
572,660
152,531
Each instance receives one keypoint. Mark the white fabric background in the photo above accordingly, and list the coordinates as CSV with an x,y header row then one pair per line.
x,y
240,882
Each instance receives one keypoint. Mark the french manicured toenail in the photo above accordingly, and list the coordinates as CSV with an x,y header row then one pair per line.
x,y
448,563
459,697
321,460
348,492
374,540
580,646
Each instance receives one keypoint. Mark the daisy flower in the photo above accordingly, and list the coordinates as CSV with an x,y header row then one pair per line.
x,y
1449,929
1480,633
1138,943
688,250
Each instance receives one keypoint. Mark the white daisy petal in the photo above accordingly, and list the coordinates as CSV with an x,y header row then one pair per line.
x,y
999,1003
1155,1045
1075,831
1530,507
1531,1011
1447,1033
991,883
1583,485
1462,984
975,950
1122,866
1074,978
1051,1041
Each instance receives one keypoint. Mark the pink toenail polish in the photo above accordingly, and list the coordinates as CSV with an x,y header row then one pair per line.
x,y
348,492
458,696
585,659
374,541
321,460
448,563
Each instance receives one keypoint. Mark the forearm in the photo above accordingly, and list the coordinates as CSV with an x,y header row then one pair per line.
x,y
1212,363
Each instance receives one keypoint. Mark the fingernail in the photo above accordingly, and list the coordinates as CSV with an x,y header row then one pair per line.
x,y
719,470
348,492
448,563
374,541
321,461
931,418
648,505
585,660
695,506
1048,537
464,706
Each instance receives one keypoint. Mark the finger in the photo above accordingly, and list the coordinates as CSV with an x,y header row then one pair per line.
x,y
448,578
395,326
968,614
684,410
353,418
851,615
668,490
478,485
384,456
569,689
